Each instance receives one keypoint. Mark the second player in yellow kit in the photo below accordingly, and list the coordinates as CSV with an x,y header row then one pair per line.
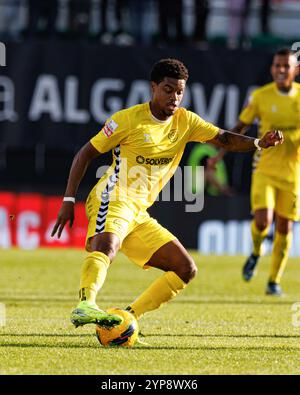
x,y
276,174
281,166
147,142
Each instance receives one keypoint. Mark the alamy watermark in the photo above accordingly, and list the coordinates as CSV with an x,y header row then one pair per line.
x,y
296,314
2,54
296,47
2,314
149,184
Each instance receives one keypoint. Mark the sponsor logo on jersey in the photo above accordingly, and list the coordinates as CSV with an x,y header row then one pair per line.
x,y
110,127
141,160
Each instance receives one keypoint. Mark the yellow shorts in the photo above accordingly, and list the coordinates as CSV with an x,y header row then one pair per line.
x,y
265,194
140,235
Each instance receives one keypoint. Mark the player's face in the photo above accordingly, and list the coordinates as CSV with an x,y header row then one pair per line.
x,y
284,70
167,96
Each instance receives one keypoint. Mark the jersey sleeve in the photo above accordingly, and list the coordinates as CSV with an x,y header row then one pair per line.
x,y
113,133
250,112
200,130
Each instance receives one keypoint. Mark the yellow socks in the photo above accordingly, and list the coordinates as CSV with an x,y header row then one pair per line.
x,y
281,246
93,274
258,237
160,291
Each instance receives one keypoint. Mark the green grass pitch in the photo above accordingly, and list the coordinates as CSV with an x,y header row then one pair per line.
x,y
217,325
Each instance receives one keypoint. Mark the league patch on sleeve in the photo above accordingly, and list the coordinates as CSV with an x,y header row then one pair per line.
x,y
109,128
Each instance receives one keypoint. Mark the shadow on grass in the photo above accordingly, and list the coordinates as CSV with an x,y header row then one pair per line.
x,y
35,301
46,334
230,336
270,348
200,335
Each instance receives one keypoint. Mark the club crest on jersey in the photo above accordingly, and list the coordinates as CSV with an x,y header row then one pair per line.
x,y
173,135
110,127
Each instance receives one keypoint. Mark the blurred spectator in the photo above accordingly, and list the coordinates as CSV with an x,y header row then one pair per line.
x,y
139,18
170,21
201,14
119,34
239,11
79,17
237,29
265,16
10,21
42,17
215,181
106,32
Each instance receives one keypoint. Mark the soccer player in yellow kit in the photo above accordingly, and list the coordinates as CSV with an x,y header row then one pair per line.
x,y
276,173
147,142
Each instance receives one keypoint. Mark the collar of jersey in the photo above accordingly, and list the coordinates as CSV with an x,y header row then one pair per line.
x,y
291,92
158,120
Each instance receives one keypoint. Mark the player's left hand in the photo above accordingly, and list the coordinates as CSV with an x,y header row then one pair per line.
x,y
272,138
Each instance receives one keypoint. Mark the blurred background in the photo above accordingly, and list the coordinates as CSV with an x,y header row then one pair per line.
x,y
67,65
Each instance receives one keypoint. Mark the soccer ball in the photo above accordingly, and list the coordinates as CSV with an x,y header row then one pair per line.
x,y
124,334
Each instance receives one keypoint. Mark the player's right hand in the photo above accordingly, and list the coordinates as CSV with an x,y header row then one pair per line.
x,y
66,213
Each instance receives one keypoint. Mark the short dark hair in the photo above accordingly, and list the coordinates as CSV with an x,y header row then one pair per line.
x,y
171,68
284,52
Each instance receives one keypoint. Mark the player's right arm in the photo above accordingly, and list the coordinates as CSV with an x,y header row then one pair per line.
x,y
79,166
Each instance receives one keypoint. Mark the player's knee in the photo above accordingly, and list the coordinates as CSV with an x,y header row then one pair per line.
x,y
262,224
108,245
188,270
108,249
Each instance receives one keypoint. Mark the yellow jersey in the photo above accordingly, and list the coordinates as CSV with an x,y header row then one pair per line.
x,y
277,111
146,151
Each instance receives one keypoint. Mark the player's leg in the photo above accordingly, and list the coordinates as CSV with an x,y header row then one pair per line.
x,y
151,245
260,226
179,270
281,246
287,211
262,203
106,230
102,250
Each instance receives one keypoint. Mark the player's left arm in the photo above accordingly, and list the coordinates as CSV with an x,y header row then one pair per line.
x,y
237,142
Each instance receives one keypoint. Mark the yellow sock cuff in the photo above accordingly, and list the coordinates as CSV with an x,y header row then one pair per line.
x,y
99,256
174,281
